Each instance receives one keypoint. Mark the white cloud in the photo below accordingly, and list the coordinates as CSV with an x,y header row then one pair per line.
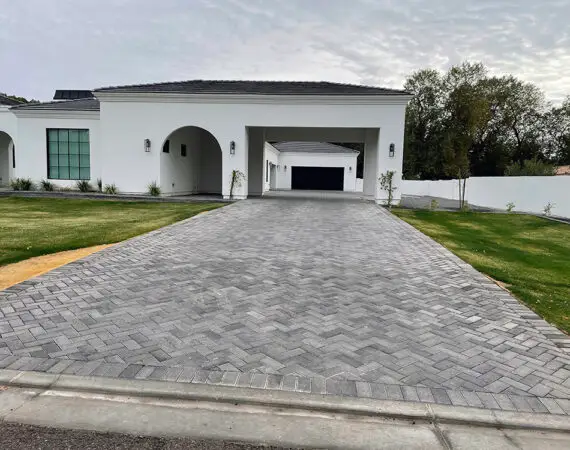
x,y
49,44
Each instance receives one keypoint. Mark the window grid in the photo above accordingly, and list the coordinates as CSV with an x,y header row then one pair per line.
x,y
68,154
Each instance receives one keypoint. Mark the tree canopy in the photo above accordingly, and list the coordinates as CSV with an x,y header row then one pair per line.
x,y
466,122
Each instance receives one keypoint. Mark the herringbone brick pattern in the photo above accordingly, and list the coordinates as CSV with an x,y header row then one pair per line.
x,y
339,291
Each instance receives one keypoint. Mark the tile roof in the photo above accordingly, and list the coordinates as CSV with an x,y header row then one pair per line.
x,y
254,87
84,104
311,147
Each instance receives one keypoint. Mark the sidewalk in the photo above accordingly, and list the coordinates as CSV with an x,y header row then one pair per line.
x,y
198,411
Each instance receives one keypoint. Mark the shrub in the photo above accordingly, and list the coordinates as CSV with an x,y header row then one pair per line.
x,y
530,167
22,184
47,185
99,185
83,185
434,204
548,209
153,189
110,189
386,180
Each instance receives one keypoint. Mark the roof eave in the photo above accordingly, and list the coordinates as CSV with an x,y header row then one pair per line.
x,y
180,97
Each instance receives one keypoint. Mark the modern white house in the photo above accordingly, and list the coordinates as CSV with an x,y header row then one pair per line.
x,y
309,165
190,136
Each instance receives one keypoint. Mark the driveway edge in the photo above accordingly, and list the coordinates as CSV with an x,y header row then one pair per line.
x,y
402,410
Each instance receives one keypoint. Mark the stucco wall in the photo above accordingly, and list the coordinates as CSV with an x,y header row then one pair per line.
x,y
117,138
126,124
31,146
179,174
529,194
8,134
271,155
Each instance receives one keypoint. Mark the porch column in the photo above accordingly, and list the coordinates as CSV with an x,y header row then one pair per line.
x,y
390,134
237,161
255,165
370,163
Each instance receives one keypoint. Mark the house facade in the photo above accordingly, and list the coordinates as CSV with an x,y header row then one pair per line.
x,y
189,137
310,165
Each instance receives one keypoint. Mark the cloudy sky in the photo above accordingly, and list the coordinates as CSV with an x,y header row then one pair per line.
x,y
84,44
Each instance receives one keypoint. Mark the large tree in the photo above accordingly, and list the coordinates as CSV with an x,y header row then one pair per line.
x,y
483,124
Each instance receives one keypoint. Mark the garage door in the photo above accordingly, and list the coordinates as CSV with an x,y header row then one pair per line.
x,y
317,178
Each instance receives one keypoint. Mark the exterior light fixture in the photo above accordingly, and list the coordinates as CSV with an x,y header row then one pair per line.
x,y
392,150
232,148
350,169
285,168
147,145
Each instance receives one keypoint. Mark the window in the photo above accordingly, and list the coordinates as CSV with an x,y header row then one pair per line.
x,y
68,154
166,146
183,150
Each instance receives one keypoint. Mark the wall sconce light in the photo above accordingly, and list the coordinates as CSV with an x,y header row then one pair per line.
x,y
232,148
392,150
285,168
350,169
147,145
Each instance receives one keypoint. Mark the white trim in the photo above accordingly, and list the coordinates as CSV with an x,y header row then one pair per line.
x,y
174,97
56,114
343,154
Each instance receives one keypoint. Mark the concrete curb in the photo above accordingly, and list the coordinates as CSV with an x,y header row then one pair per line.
x,y
112,197
413,411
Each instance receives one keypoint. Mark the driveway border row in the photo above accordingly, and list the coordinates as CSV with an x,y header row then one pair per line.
x,y
421,411
179,379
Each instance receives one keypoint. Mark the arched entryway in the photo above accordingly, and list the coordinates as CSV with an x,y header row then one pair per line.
x,y
191,163
7,161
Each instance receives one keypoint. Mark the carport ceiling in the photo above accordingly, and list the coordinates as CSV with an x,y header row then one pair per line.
x,y
277,134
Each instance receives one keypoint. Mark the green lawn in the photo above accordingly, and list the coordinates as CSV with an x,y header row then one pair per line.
x,y
530,254
38,226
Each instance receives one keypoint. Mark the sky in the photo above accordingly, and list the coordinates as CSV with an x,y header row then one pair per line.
x,y
85,44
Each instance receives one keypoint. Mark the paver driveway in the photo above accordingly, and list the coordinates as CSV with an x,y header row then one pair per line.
x,y
335,296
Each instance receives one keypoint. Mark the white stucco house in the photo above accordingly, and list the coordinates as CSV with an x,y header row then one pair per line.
x,y
190,136
309,165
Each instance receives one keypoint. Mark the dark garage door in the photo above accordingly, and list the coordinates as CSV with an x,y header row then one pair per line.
x,y
318,178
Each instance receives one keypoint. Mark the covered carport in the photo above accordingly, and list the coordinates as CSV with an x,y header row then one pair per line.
x,y
317,178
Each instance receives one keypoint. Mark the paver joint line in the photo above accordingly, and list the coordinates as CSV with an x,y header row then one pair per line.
x,y
328,297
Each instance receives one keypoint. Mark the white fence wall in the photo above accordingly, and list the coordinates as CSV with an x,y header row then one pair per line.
x,y
529,194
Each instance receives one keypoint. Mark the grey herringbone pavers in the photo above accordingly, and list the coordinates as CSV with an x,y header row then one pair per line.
x,y
312,296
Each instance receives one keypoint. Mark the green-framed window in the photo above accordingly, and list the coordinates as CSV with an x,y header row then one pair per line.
x,y
68,154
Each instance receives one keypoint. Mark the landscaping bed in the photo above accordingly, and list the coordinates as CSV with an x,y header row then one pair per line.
x,y
529,255
38,226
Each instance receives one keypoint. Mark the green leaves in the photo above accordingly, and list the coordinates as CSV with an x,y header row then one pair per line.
x,y
467,122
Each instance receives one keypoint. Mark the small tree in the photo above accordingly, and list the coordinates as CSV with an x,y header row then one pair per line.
x,y
386,183
238,178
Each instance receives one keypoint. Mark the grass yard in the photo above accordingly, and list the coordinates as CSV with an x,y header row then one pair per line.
x,y
38,226
531,255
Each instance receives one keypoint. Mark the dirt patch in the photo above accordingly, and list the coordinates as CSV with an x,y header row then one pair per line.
x,y
501,284
12,274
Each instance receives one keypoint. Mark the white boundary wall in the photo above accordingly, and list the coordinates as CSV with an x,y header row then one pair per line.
x,y
529,194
